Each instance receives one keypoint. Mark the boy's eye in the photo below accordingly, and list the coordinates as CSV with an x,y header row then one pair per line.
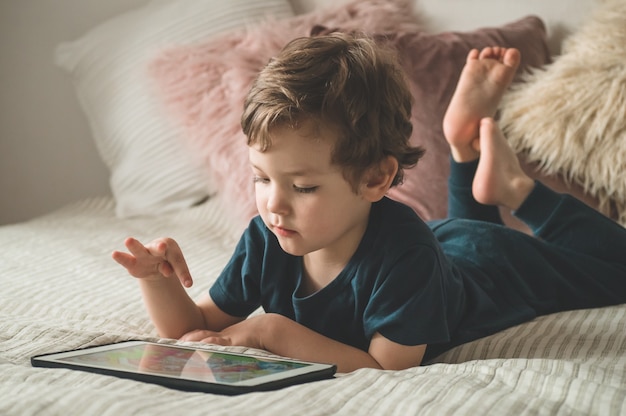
x,y
305,190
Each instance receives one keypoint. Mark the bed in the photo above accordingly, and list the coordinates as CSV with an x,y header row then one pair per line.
x,y
160,85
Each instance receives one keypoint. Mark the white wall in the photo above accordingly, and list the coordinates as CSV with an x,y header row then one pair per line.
x,y
47,157
561,16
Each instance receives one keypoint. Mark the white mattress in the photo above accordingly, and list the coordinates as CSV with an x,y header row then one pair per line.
x,y
61,290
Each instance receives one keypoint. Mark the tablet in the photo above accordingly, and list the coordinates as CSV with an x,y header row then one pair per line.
x,y
188,368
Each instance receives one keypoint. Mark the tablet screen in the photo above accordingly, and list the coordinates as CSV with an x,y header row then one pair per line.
x,y
177,362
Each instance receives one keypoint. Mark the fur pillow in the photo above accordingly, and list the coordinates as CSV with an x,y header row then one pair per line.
x,y
204,87
569,117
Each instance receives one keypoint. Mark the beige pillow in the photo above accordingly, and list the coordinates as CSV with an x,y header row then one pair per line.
x,y
203,87
151,172
570,117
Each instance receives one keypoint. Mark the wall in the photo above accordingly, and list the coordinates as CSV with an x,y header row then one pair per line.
x,y
47,156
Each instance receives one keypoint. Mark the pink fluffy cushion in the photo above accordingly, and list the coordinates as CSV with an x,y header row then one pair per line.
x,y
203,86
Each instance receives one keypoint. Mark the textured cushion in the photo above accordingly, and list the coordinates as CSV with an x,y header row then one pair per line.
x,y
192,79
433,63
203,85
151,171
568,118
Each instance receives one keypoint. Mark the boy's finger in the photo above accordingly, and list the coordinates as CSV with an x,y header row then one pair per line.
x,y
165,269
164,251
197,335
176,260
184,276
124,259
135,247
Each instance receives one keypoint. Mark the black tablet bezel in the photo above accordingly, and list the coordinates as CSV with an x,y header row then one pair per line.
x,y
318,371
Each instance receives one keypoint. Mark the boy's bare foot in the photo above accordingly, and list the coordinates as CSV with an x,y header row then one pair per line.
x,y
485,77
499,178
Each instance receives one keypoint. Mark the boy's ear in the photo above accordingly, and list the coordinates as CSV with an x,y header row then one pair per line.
x,y
378,179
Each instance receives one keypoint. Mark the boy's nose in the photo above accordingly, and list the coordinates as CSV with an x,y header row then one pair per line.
x,y
276,201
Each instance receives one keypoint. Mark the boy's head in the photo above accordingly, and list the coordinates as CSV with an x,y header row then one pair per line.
x,y
345,81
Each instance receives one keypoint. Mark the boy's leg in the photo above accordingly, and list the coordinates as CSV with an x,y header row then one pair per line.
x,y
483,80
499,178
563,220
461,202
558,219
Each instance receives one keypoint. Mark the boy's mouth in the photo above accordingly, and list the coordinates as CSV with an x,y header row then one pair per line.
x,y
283,232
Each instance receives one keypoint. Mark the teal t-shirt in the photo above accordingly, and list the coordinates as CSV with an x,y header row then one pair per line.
x,y
443,283
397,283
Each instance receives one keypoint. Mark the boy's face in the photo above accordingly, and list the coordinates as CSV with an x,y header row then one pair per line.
x,y
303,198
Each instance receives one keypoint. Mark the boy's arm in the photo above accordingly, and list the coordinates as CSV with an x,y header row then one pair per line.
x,y
283,336
174,313
393,356
161,270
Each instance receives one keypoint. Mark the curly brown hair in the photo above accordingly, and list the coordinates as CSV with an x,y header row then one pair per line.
x,y
348,80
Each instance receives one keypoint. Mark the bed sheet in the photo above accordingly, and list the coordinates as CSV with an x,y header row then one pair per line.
x,y
61,290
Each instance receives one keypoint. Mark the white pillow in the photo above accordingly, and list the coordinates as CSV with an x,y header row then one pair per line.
x,y
151,170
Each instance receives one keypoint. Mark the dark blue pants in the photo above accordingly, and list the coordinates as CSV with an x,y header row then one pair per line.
x,y
576,258
558,219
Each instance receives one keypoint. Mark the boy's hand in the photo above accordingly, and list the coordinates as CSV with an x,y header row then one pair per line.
x,y
247,333
156,260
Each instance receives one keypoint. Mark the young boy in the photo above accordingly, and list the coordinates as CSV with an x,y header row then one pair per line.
x,y
345,274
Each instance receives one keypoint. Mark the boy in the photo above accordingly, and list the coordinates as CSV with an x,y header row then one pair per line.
x,y
348,276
